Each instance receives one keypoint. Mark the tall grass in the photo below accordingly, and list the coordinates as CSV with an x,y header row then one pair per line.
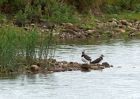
x,y
18,47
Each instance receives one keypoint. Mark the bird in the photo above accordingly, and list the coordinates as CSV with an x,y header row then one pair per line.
x,y
85,58
98,60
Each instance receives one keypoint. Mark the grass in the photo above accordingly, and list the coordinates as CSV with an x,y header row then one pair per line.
x,y
19,47
123,15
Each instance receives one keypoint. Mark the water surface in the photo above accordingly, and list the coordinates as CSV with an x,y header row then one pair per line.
x,y
120,82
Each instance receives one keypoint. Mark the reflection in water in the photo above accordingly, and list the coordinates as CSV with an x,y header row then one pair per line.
x,y
111,83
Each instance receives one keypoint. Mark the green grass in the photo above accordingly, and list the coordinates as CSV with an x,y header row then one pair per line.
x,y
18,47
124,15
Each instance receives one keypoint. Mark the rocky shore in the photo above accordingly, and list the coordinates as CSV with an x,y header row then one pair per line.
x,y
62,66
101,29
111,28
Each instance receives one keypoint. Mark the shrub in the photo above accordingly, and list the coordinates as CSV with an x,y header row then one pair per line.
x,y
60,12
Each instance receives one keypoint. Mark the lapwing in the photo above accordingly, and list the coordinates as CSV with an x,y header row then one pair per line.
x,y
98,60
85,58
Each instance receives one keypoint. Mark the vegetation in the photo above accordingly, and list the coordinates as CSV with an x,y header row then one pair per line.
x,y
60,11
19,47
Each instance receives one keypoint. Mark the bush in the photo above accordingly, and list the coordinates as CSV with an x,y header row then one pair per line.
x,y
137,8
60,12
111,9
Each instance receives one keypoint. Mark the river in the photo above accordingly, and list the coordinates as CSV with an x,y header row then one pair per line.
x,y
120,82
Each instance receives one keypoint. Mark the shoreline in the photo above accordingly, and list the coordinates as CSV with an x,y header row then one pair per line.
x,y
52,66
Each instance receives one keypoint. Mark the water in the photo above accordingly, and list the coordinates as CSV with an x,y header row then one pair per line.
x,y
120,82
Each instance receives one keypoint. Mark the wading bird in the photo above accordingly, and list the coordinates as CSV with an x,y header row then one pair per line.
x,y
98,60
85,58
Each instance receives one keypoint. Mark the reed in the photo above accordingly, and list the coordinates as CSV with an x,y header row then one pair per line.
x,y
19,47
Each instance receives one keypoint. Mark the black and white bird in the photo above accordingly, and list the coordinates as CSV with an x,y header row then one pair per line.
x,y
85,58
98,60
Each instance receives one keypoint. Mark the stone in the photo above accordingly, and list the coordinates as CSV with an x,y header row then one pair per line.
x,y
59,70
114,24
124,22
95,67
121,30
34,68
101,67
131,28
113,19
132,34
129,24
67,24
106,64
91,31
85,67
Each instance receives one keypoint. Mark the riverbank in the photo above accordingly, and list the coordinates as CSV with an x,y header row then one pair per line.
x,y
111,28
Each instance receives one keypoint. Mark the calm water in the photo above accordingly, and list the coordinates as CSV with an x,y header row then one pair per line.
x,y
120,82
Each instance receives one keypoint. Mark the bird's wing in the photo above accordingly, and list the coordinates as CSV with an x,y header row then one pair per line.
x,y
87,57
95,61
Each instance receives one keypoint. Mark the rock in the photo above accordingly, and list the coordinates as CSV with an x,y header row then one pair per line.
x,y
111,65
131,34
131,28
121,30
113,19
114,24
121,26
67,24
124,22
95,67
59,70
52,60
64,62
85,67
101,67
106,64
70,69
91,31
34,68
129,24
33,25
